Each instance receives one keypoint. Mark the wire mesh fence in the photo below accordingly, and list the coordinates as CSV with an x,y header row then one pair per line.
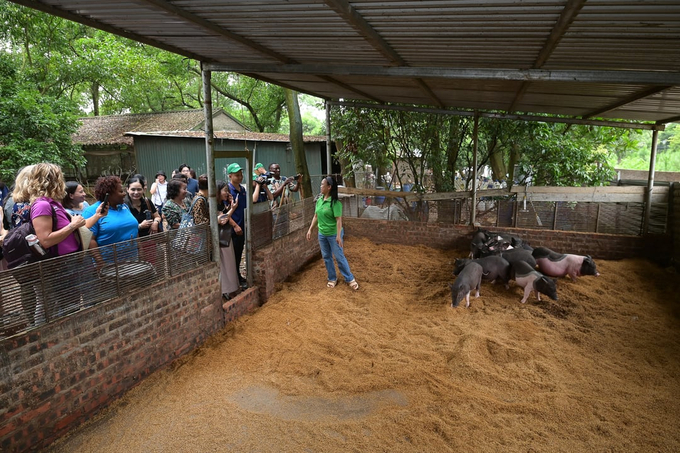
x,y
42,292
507,211
278,222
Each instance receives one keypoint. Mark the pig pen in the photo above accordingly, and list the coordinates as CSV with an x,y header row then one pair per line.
x,y
392,367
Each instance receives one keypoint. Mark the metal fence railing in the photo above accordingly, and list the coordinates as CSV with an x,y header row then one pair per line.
x,y
612,217
276,223
42,292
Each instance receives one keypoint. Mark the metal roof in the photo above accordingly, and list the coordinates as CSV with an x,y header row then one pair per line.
x,y
616,59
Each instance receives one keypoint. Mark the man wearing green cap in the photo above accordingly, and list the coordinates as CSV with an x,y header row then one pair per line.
x,y
260,187
238,221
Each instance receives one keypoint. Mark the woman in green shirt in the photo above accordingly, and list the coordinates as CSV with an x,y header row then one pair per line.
x,y
328,215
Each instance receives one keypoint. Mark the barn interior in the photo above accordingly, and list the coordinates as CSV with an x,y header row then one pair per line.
x,y
597,369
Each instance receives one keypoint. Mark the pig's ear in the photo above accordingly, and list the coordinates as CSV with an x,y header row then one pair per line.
x,y
589,258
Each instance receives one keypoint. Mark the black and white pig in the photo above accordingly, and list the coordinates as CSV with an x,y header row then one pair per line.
x,y
531,280
559,265
470,277
494,268
514,255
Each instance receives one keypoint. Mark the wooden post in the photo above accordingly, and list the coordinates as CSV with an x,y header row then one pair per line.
x,y
473,210
597,219
210,162
329,144
650,183
555,216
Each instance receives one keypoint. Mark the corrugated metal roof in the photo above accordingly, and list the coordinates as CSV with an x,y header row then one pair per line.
x,y
617,59
250,136
111,129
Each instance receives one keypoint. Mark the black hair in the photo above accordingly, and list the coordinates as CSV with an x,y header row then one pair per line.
x,y
174,186
182,177
135,179
181,167
71,187
140,178
334,189
220,203
203,182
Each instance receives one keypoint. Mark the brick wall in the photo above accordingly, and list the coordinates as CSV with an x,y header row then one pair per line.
x,y
275,262
59,375
244,303
598,245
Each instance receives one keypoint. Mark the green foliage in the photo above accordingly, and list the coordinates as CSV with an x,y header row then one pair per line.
x,y
667,151
33,127
420,144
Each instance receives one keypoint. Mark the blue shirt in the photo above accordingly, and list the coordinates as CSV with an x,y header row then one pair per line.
x,y
192,186
119,225
238,215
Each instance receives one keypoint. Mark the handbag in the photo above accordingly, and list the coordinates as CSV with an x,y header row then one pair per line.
x,y
189,241
225,235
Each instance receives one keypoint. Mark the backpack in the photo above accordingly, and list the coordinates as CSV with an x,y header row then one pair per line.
x,y
15,246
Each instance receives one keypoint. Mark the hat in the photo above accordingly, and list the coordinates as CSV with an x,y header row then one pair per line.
x,y
258,166
233,168
160,173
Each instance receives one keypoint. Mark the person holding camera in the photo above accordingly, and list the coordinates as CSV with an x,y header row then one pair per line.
x,y
281,187
261,191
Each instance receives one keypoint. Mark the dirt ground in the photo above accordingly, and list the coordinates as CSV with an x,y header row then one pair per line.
x,y
394,368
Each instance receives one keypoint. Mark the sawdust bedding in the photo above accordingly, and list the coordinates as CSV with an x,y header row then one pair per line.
x,y
392,367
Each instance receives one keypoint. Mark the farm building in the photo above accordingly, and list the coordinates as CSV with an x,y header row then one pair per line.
x,y
109,151
166,150
391,367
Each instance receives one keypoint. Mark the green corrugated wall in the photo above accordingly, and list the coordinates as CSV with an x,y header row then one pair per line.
x,y
167,153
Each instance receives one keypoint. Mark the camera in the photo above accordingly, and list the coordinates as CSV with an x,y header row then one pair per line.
x,y
261,179
297,177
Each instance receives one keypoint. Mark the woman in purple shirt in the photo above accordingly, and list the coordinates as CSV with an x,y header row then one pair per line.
x,y
58,234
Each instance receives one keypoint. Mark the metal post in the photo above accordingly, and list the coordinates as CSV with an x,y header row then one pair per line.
x,y
249,211
473,210
650,183
210,162
329,167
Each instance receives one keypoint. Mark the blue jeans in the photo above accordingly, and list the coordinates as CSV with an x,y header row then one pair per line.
x,y
329,249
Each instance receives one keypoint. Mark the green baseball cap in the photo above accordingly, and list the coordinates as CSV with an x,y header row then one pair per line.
x,y
258,166
233,168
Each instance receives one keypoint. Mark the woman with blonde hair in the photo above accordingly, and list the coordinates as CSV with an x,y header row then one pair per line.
x,y
21,203
57,232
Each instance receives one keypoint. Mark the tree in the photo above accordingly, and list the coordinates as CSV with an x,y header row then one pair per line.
x,y
423,143
296,140
34,127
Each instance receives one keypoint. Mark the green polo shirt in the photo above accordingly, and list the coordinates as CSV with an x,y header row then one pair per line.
x,y
325,216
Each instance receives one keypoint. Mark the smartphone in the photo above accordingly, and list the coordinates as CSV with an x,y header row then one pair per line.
x,y
148,215
106,200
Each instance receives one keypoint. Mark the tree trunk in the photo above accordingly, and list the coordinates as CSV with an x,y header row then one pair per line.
x,y
94,89
296,140
514,158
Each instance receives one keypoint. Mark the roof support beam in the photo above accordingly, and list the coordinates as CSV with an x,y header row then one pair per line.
x,y
521,75
634,97
505,116
423,86
356,20
193,18
350,88
105,27
567,16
